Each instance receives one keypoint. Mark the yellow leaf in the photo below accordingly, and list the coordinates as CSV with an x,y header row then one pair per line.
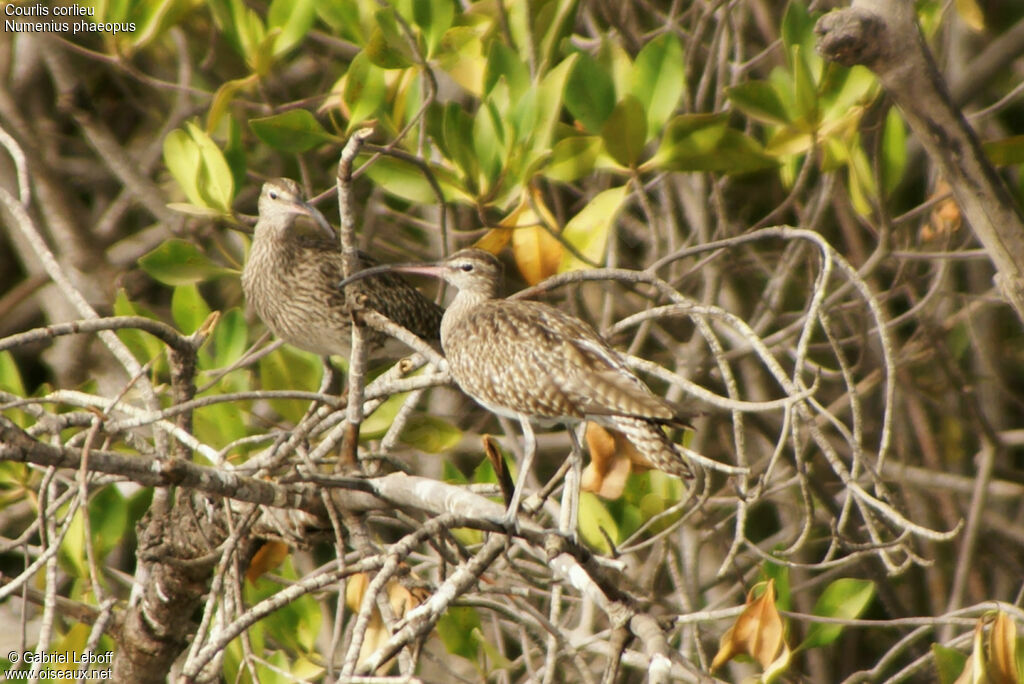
x,y
974,668
537,252
971,13
1002,650
355,587
268,557
494,240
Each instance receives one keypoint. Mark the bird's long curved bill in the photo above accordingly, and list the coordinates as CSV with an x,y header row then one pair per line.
x,y
434,270
318,218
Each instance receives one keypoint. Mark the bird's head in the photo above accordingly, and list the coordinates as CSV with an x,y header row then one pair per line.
x,y
281,200
470,270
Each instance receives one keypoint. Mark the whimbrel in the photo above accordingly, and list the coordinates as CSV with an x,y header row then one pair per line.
x,y
291,280
530,361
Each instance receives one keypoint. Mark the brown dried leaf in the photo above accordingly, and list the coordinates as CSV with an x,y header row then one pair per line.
x,y
612,458
757,632
500,467
946,218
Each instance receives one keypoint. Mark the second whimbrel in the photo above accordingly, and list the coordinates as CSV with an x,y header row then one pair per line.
x,y
530,361
291,280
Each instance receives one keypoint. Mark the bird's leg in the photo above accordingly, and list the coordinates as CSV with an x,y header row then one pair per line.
x,y
530,450
568,521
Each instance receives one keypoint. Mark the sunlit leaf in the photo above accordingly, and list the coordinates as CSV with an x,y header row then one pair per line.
x,y
589,230
595,521
182,158
294,18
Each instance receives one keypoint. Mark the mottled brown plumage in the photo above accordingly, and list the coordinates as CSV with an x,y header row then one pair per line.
x,y
530,361
291,281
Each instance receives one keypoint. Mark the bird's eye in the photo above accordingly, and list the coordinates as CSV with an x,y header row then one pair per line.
x,y
466,267
272,194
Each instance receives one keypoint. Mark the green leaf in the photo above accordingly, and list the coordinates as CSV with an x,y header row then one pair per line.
x,y
388,47
949,663
142,345
294,131
430,434
182,158
108,518
503,61
456,628
760,101
222,100
806,90
215,183
458,141
10,377
590,93
377,423
178,262
573,158
294,18
593,518
549,101
845,599
290,369
406,181
434,17
625,131
1006,151
704,142
230,338
588,230
894,150
188,308
780,574
365,90
659,78
798,31
222,423
488,137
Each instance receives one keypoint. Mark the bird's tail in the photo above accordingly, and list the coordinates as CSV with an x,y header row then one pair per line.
x,y
653,444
